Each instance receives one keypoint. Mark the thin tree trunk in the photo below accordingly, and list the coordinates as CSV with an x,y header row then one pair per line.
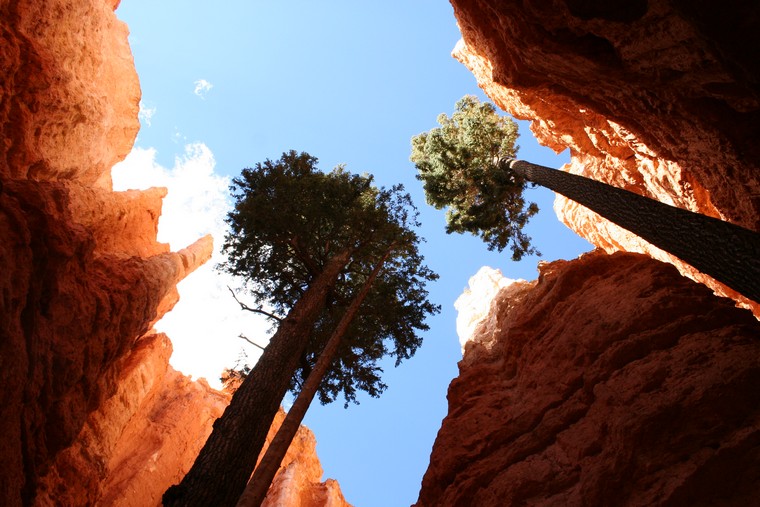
x,y
726,252
262,478
225,463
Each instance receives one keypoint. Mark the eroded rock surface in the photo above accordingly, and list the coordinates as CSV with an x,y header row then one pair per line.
x,y
90,411
146,436
661,98
140,440
611,381
78,290
70,93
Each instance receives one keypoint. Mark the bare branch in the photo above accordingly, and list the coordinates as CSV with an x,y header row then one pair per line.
x,y
244,337
244,306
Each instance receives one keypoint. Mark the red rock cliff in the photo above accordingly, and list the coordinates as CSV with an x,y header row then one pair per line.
x,y
90,411
660,97
76,295
145,438
611,380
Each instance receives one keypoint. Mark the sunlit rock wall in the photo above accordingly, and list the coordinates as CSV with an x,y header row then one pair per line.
x,y
76,293
69,91
660,97
611,380
90,411
140,440
146,436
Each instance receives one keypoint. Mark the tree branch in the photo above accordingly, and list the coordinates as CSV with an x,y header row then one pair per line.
x,y
311,266
244,337
244,306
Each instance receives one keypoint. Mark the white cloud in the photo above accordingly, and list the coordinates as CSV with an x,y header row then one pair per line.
x,y
146,113
205,324
202,87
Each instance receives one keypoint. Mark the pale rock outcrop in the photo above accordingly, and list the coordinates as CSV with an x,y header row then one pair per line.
x,y
661,98
473,306
612,380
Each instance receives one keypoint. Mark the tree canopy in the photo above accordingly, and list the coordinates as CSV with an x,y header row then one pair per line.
x,y
289,220
304,242
458,164
465,165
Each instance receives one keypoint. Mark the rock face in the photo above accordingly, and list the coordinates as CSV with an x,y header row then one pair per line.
x,y
76,294
611,380
90,411
70,91
145,438
139,441
660,97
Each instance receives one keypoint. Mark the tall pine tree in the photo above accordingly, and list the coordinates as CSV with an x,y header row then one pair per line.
x,y
305,242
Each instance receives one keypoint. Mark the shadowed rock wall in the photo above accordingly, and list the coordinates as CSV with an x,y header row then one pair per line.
x,y
612,380
659,97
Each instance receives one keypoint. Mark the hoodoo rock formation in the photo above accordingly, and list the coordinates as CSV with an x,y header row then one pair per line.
x,y
659,97
612,380
609,380
90,411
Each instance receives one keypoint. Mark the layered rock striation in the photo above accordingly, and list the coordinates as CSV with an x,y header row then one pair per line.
x,y
661,98
90,410
77,293
611,380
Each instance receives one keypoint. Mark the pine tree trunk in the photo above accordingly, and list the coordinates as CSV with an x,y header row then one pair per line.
x,y
726,252
225,463
262,478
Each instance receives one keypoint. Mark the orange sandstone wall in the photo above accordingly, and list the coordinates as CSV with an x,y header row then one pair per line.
x,y
140,440
660,97
70,90
76,294
611,380
90,411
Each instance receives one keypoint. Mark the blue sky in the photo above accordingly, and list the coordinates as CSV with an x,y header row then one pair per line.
x,y
229,84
